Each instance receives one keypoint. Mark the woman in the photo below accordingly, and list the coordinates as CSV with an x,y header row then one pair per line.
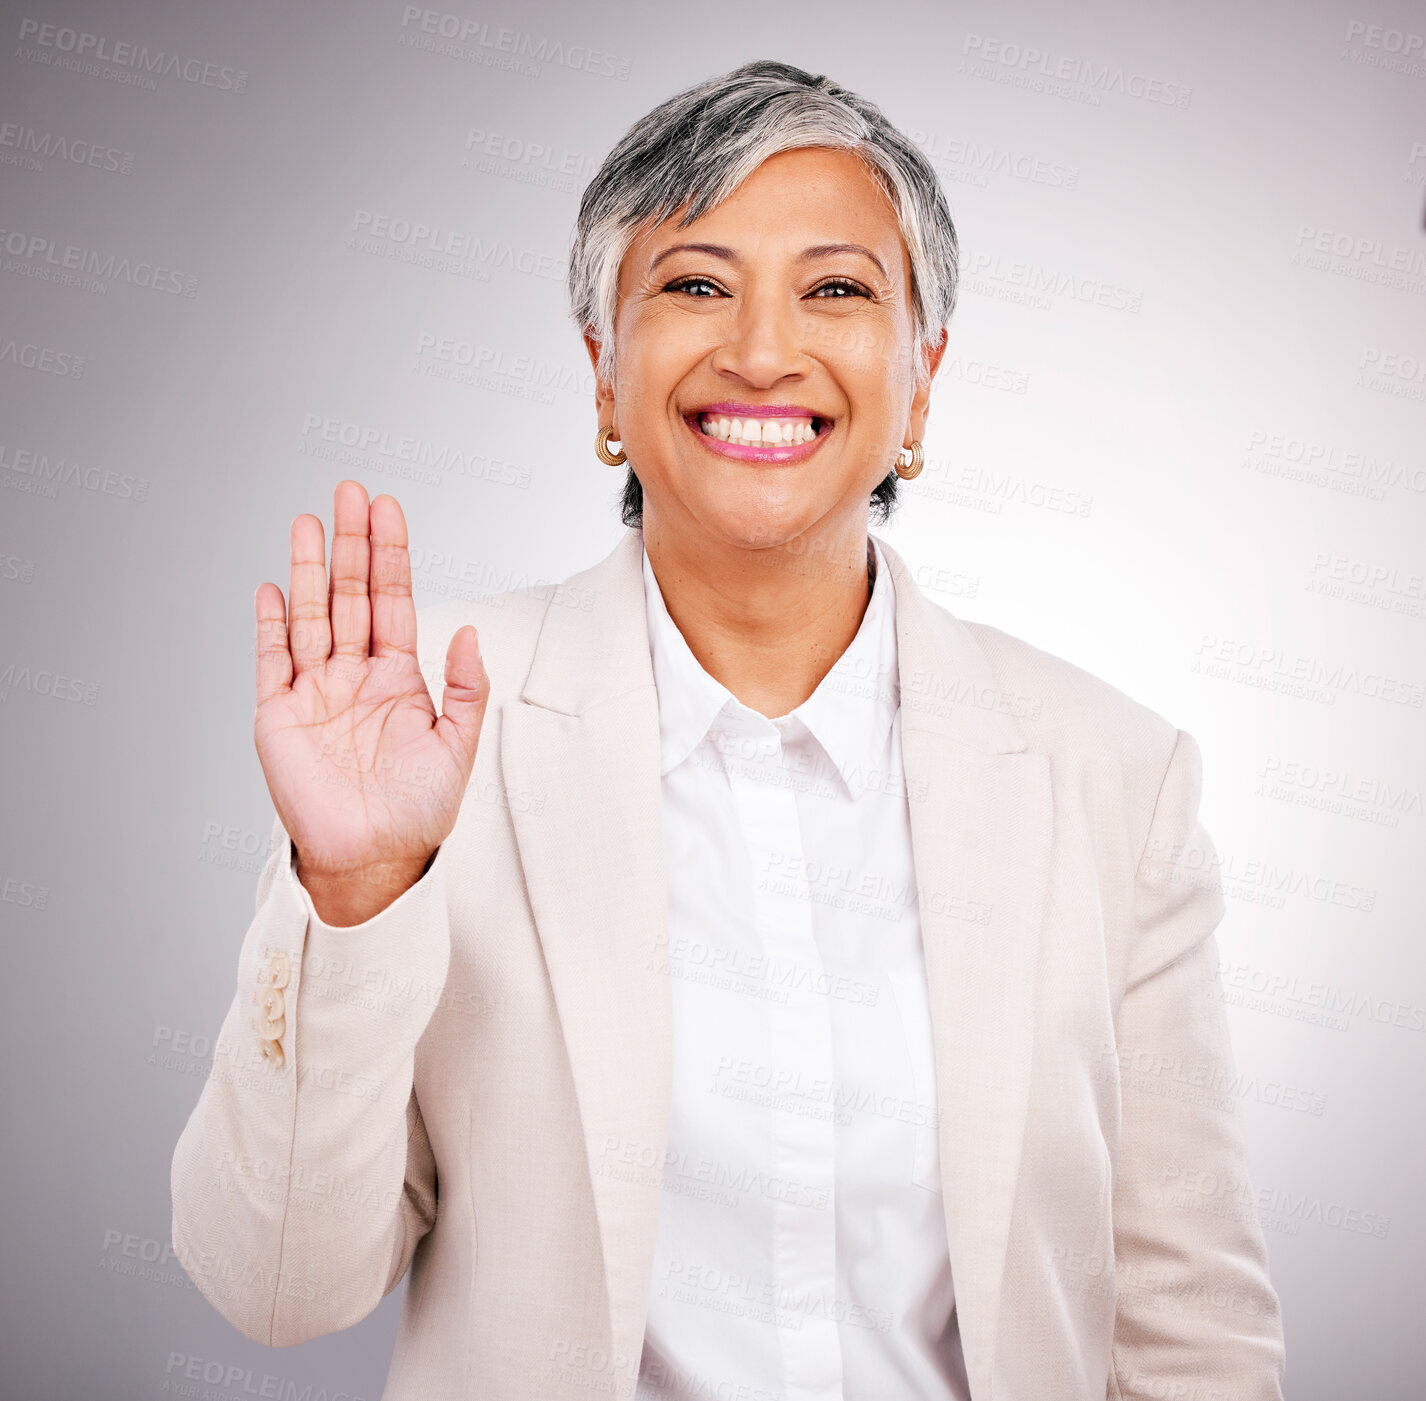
x,y
759,983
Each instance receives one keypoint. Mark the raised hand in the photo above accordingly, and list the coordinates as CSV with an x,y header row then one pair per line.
x,y
364,774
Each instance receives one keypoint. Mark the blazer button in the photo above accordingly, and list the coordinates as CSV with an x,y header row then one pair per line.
x,y
270,1028
271,1020
279,970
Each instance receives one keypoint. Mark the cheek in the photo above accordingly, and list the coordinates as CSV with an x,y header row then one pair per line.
x,y
856,346
876,381
872,356
636,385
653,355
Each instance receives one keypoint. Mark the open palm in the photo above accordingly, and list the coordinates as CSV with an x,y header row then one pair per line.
x,y
364,774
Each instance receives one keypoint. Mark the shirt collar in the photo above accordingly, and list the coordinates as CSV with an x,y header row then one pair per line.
x,y
848,714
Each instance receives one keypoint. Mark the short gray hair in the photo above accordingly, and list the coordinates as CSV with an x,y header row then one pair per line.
x,y
700,145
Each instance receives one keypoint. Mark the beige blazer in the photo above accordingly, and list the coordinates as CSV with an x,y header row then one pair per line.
x,y
476,1082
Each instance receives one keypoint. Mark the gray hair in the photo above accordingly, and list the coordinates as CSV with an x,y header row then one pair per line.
x,y
697,147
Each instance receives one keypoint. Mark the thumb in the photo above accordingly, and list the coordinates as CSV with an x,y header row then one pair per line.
x,y
463,701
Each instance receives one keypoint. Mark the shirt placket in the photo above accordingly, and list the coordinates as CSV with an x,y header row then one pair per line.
x,y
804,1248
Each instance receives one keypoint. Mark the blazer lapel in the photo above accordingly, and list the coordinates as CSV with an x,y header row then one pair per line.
x,y
981,817
582,745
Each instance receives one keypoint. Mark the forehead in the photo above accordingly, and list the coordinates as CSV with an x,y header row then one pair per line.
x,y
793,200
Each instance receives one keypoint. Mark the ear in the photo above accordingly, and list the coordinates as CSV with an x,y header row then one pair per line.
x,y
603,389
921,400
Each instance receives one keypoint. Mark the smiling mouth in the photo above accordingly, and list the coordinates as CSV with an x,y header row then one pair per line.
x,y
780,431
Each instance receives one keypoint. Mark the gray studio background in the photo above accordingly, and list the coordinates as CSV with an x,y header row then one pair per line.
x,y
1178,439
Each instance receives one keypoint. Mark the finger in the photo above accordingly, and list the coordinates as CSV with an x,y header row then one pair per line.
x,y
466,692
309,628
274,661
393,611
351,555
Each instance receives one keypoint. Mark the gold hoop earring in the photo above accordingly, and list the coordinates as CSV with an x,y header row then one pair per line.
x,y
601,446
907,470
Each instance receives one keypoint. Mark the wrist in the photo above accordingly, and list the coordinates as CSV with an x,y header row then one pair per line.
x,y
358,891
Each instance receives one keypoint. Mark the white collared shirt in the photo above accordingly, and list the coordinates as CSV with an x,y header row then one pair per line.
x,y
801,1251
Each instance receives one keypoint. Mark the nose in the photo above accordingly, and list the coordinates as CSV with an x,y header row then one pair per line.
x,y
765,340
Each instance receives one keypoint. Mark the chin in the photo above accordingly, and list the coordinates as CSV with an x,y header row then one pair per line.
x,y
762,528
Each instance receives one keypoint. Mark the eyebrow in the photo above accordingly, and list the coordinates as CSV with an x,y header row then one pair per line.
x,y
821,250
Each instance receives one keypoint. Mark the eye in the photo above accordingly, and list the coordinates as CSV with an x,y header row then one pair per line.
x,y
695,286
840,287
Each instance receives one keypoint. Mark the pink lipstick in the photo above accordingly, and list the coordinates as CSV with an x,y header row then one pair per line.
x,y
775,433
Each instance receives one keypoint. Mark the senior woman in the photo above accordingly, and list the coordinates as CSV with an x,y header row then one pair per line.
x,y
760,983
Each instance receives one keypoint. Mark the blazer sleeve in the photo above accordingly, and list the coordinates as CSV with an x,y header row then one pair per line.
x,y
302,1183
1196,1313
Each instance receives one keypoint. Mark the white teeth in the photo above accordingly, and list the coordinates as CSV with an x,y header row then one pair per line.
x,y
752,432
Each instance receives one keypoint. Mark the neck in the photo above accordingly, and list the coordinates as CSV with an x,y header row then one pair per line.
x,y
767,622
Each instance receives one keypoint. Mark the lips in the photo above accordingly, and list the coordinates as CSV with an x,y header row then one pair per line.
x,y
769,432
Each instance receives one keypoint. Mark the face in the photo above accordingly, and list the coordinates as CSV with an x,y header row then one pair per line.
x,y
766,370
